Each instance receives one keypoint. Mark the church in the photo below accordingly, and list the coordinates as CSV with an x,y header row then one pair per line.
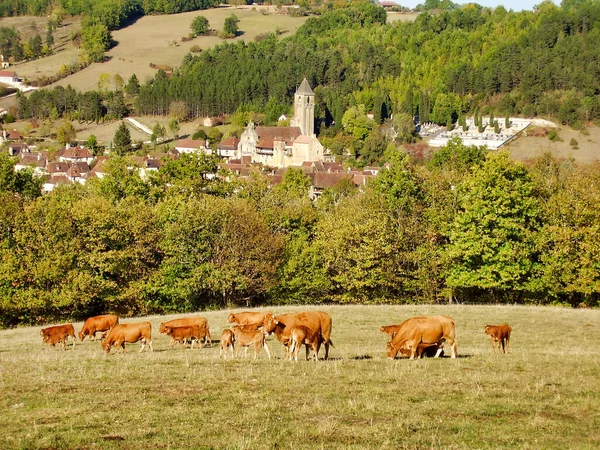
x,y
286,146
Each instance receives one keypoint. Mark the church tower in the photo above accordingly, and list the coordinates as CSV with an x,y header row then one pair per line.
x,y
304,109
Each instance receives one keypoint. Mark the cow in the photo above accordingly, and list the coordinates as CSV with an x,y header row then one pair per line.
x,y
192,332
247,338
247,318
98,324
282,325
128,332
429,350
186,322
227,342
390,329
58,334
500,335
420,332
303,335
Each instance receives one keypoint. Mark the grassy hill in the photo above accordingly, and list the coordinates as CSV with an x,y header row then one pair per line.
x,y
157,39
542,395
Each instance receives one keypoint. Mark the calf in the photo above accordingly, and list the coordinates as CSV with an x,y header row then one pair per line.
x,y
58,334
303,335
128,332
247,318
429,350
248,338
193,332
186,322
500,335
98,324
227,342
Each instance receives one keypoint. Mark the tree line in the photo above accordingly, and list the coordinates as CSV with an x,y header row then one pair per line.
x,y
467,226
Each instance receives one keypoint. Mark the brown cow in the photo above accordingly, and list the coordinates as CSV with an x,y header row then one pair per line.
x,y
423,331
303,335
97,324
227,342
390,329
282,325
58,334
128,332
248,338
181,334
247,318
186,322
501,335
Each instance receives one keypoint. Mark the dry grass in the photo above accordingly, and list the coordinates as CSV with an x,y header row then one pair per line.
x,y
527,147
544,394
150,40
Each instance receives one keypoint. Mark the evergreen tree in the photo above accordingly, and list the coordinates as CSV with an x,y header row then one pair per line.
x,y
132,88
122,140
230,29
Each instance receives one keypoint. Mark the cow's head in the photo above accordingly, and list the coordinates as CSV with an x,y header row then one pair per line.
x,y
231,318
391,351
489,329
106,346
162,328
81,335
269,323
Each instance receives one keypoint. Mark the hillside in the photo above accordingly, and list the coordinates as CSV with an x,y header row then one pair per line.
x,y
543,394
151,39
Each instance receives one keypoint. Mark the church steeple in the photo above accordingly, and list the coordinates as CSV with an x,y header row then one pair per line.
x,y
304,109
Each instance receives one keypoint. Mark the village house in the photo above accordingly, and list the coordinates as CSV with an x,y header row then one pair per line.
x,y
285,146
4,64
36,161
8,76
193,146
76,154
228,147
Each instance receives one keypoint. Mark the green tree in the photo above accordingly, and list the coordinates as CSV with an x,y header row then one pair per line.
x,y
95,40
122,140
200,26
132,88
66,133
491,242
230,28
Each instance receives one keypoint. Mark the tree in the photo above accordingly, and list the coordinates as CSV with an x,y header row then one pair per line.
x,y
122,140
65,133
92,143
95,40
230,29
158,132
491,241
174,127
200,26
132,88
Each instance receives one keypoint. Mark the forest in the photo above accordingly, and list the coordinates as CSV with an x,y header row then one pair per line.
x,y
468,226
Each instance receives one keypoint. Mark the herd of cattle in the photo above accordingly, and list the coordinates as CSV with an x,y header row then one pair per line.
x,y
415,337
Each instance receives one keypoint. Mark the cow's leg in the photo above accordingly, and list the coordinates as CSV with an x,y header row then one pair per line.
x,y
150,345
266,347
326,349
246,351
507,340
143,341
193,341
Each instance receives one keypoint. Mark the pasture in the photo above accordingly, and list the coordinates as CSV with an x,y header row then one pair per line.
x,y
157,39
544,394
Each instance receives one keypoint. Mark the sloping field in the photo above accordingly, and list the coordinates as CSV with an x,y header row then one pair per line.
x,y
587,149
64,50
157,40
542,395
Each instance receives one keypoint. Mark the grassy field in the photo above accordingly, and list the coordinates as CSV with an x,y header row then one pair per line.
x,y
587,149
543,395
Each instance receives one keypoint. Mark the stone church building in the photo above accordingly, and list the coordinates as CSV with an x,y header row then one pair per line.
x,y
286,146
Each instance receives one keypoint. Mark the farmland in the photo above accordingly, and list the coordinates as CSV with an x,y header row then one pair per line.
x,y
542,395
157,40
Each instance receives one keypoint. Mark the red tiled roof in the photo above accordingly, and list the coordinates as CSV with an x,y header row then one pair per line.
x,y
325,180
231,143
14,134
76,153
190,143
8,73
287,134
57,166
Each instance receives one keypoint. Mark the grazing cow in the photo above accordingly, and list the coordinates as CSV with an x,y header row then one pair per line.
x,y
390,329
128,332
192,332
227,342
316,321
58,334
303,335
97,324
247,338
500,335
186,322
429,350
420,332
247,318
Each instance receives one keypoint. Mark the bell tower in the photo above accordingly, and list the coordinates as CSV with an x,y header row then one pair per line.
x,y
304,109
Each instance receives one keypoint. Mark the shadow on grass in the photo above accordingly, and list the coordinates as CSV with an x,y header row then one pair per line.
x,y
361,357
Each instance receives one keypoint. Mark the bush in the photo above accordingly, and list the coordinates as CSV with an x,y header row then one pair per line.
x,y
195,49
553,135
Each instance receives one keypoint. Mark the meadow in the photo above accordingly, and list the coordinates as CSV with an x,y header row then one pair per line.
x,y
543,394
